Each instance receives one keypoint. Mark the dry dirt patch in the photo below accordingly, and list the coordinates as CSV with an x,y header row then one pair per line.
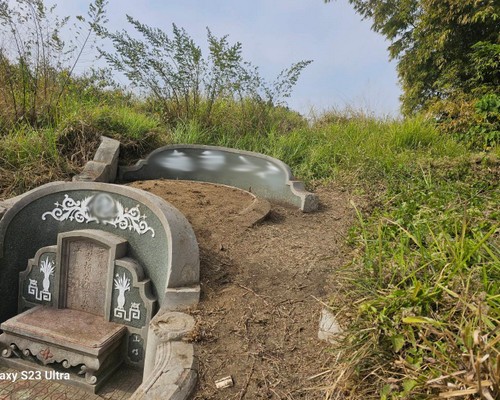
x,y
262,288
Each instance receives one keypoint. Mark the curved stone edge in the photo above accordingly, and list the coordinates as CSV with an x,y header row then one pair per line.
x,y
171,368
308,201
182,285
256,212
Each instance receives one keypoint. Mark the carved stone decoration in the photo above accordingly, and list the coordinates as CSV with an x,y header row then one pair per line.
x,y
100,208
36,284
136,348
100,313
170,369
122,284
47,268
133,305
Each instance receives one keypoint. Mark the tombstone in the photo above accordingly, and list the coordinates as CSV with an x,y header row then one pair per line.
x,y
83,269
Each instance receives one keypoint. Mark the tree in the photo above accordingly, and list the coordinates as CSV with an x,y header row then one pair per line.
x,y
443,47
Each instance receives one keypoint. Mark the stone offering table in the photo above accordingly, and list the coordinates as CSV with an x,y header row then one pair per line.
x,y
70,337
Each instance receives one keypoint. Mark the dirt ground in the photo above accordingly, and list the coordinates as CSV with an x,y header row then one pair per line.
x,y
262,289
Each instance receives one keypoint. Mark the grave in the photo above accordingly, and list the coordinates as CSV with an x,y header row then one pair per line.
x,y
94,276
84,268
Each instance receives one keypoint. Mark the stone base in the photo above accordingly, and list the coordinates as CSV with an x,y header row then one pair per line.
x,y
180,299
64,338
74,380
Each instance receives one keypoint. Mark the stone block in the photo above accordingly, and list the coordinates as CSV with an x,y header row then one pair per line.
x,y
329,328
104,166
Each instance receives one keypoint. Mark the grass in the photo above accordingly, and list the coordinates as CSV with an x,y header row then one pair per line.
x,y
363,148
423,280
425,284
30,156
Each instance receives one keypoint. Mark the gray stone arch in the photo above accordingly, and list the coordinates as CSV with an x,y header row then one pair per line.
x,y
257,173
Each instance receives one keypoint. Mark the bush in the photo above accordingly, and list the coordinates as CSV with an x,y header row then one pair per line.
x,y
473,121
185,85
36,65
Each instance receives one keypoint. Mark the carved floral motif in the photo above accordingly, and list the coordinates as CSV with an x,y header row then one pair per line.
x,y
47,268
122,284
100,208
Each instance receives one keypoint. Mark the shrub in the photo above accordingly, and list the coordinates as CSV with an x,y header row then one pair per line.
x,y
474,121
183,84
35,63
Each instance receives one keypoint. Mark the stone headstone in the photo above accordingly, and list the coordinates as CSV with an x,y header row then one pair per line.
x,y
87,265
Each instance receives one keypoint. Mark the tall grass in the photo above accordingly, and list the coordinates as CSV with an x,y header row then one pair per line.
x,y
364,147
31,156
425,286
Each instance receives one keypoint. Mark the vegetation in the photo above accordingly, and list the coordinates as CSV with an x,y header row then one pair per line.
x,y
425,285
448,54
424,276
187,86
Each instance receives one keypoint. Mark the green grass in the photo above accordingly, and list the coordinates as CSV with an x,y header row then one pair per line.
x,y
364,147
425,284
32,156
424,278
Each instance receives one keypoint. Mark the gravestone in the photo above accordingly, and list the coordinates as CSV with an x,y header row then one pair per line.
x,y
158,235
97,249
86,288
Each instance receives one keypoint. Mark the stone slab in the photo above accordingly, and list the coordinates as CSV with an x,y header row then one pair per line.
x,y
65,327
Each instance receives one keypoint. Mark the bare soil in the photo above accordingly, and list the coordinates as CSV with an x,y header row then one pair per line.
x,y
263,287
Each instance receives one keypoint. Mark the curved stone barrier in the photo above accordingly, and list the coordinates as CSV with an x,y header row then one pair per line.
x,y
262,175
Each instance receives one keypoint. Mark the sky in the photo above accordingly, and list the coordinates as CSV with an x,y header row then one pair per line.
x,y
351,65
